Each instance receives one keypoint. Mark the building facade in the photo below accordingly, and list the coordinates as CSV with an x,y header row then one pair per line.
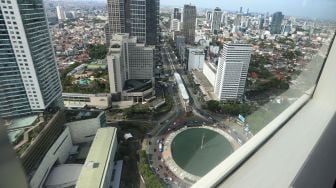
x,y
128,59
216,20
116,18
139,18
29,79
176,14
232,72
276,23
152,22
117,62
175,25
60,13
189,23
196,59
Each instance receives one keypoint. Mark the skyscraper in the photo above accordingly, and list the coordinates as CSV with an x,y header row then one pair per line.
x,y
116,16
177,14
189,23
232,71
216,20
208,16
29,80
139,18
175,25
153,22
60,13
276,23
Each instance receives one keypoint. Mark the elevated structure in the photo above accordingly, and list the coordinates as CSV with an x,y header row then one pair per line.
x,y
182,90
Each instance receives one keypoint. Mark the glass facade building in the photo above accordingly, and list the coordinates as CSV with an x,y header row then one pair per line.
x,y
29,53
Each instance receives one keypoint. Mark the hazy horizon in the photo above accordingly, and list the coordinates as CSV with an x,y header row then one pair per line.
x,y
321,9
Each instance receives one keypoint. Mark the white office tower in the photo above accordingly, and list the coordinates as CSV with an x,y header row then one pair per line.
x,y
216,20
29,80
232,71
60,13
175,25
196,59
127,60
208,16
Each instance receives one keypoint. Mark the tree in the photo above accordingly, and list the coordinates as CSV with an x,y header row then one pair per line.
x,y
213,105
97,51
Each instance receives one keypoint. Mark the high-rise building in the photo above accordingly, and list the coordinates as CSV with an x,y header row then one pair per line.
x,y
238,19
128,59
152,22
208,16
29,79
232,71
177,14
287,28
139,18
61,16
175,25
276,23
216,20
116,17
261,22
189,23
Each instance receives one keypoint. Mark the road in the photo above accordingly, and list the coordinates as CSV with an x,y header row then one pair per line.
x,y
171,65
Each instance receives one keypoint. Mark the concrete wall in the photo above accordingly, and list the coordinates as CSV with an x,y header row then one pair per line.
x,y
98,101
109,170
122,104
59,151
195,61
209,73
85,130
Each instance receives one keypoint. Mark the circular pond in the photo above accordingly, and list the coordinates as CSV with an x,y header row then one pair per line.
x,y
198,150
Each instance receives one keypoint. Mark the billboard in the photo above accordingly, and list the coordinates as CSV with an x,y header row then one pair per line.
x,y
241,118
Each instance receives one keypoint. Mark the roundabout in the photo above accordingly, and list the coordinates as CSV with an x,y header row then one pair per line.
x,y
190,153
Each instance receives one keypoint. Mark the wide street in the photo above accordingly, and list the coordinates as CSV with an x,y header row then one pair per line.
x,y
178,118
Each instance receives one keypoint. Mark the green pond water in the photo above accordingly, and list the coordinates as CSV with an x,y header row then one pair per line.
x,y
198,150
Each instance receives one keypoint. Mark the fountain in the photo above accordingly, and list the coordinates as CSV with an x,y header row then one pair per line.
x,y
198,156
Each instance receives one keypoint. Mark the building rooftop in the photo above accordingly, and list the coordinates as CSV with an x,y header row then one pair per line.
x,y
65,175
93,171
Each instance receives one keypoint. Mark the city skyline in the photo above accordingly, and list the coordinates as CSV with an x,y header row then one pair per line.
x,y
302,8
